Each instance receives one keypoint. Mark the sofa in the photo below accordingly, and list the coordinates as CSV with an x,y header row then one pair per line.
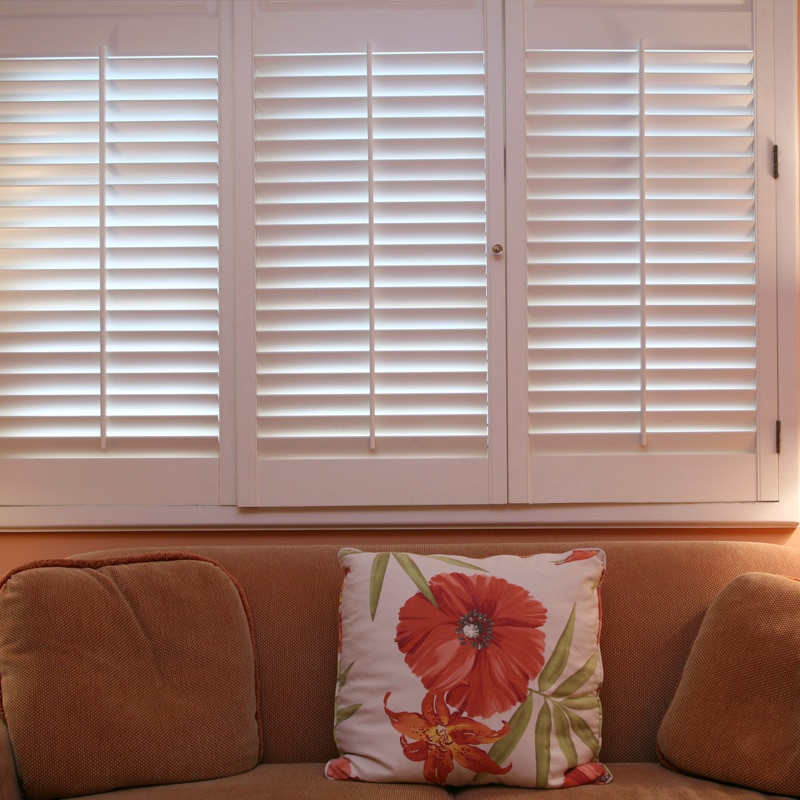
x,y
212,673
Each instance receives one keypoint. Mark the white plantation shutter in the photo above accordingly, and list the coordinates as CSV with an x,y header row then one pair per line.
x,y
336,262
642,277
371,264
109,279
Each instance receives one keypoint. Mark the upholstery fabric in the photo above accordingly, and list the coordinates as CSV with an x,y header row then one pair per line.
x,y
9,786
655,594
280,782
462,671
632,781
126,672
735,716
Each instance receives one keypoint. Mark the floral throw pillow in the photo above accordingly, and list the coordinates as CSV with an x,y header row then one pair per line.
x,y
466,671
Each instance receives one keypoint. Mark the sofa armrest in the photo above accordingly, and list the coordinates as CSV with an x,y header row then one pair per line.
x,y
9,785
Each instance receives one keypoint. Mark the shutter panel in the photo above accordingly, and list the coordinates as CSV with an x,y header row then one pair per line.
x,y
109,320
641,275
371,307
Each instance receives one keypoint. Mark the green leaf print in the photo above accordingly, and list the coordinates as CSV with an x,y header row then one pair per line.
x,y
344,673
501,750
457,563
542,745
414,572
560,655
585,702
578,678
345,713
583,731
559,710
378,573
376,581
561,727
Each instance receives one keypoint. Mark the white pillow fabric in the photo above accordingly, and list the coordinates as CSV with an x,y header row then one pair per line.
x,y
465,671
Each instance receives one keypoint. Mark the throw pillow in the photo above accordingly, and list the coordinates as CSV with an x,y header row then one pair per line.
x,y
127,672
467,671
735,716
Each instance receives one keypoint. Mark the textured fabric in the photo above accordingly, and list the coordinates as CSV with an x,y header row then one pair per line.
x,y
635,781
465,671
280,782
9,786
655,594
632,781
125,674
735,716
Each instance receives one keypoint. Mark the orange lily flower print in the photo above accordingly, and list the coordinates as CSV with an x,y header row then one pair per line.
x,y
481,642
441,739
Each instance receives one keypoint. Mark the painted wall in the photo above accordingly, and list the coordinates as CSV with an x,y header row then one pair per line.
x,y
20,548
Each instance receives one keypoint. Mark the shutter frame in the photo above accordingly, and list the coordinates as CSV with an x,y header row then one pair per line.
x,y
121,321
589,470
414,461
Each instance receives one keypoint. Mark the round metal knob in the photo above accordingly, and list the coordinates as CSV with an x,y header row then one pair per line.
x,y
498,249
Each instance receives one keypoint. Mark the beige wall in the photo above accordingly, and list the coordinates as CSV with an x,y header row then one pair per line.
x,y
19,548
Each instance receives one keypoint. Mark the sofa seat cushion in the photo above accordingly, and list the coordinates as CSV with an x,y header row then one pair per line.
x,y
632,781
280,782
735,716
126,672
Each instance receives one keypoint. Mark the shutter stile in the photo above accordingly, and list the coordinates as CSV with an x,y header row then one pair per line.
x,y
399,217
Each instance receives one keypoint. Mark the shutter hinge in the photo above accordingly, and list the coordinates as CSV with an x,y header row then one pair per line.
x,y
777,436
775,171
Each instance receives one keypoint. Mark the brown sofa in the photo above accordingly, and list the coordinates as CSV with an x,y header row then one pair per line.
x,y
283,600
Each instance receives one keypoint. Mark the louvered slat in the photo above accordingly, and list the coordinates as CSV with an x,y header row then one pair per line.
x,y
49,296
111,347
642,305
371,179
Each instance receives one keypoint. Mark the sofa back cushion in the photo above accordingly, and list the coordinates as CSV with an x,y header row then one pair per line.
x,y
655,594
126,672
735,716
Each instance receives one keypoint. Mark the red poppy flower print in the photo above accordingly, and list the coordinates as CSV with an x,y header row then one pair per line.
x,y
441,738
481,643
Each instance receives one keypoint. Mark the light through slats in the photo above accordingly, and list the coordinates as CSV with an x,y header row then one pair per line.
x,y
641,286
371,174
109,283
